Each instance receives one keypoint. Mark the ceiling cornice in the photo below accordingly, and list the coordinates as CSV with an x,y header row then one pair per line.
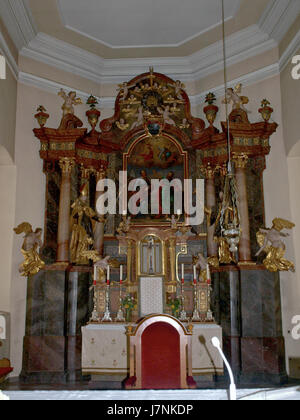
x,y
109,102
249,42
240,46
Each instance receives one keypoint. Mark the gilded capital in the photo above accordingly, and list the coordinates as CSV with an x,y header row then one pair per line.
x,y
208,171
240,160
101,173
85,172
66,165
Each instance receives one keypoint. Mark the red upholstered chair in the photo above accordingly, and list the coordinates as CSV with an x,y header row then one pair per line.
x,y
160,355
5,369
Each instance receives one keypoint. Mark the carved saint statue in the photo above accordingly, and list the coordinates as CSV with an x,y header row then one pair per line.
x,y
83,219
270,241
70,101
200,262
32,242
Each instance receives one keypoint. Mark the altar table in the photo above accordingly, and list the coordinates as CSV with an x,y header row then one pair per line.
x,y
105,350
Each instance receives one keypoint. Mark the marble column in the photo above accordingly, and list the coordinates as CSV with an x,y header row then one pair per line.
x,y
63,236
241,161
210,198
99,228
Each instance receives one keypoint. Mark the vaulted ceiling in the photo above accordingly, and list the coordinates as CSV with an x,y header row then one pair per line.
x,y
144,23
113,40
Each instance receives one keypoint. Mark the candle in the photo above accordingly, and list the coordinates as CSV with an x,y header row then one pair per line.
x,y
121,274
182,273
108,274
195,274
95,275
208,274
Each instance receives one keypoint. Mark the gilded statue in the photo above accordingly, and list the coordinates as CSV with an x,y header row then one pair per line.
x,y
233,96
225,256
124,226
83,219
30,249
70,100
270,242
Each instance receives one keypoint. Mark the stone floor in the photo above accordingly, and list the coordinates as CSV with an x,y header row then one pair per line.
x,y
287,394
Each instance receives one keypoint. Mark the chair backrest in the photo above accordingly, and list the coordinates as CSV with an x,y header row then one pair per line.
x,y
159,353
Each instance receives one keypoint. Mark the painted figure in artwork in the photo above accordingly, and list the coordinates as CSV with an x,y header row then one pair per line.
x,y
70,100
270,241
30,249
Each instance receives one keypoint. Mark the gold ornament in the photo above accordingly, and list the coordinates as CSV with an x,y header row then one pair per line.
x,y
32,242
270,242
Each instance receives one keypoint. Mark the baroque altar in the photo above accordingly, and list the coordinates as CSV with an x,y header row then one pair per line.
x,y
100,272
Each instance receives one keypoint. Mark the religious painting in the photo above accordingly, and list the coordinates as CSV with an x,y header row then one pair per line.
x,y
156,158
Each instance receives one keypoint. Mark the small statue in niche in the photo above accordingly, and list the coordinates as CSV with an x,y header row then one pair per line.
x,y
232,96
270,242
83,219
199,261
32,242
70,101
100,268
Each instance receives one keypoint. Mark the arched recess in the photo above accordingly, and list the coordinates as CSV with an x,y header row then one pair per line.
x,y
7,221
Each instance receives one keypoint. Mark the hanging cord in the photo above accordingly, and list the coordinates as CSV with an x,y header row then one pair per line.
x,y
225,84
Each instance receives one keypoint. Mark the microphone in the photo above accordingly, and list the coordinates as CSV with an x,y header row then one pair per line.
x,y
232,390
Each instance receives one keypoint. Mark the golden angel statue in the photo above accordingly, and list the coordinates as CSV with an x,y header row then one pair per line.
x,y
32,242
83,220
233,96
70,101
270,242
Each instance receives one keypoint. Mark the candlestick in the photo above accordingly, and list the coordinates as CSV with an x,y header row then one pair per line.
x,y
182,316
107,316
196,313
120,315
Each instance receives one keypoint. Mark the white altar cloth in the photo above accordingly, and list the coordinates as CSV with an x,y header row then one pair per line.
x,y
105,350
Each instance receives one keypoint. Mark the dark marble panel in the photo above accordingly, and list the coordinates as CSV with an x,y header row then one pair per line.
x,y
226,301
263,355
42,354
260,304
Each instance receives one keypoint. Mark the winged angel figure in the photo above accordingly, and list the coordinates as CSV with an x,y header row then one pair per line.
x,y
32,242
270,241
233,96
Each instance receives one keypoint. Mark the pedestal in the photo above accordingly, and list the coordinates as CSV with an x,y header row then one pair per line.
x,y
246,303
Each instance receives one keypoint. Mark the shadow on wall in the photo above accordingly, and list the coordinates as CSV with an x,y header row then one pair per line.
x,y
295,150
5,158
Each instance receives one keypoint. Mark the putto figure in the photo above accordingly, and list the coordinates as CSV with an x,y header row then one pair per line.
x,y
30,249
232,96
70,101
270,241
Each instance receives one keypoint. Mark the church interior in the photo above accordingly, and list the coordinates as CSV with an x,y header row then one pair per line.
x,y
108,283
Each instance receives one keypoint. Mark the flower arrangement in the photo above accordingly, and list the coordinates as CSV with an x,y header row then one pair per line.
x,y
175,305
210,98
129,304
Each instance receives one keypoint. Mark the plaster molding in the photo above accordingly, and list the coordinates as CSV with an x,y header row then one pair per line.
x,y
10,60
289,52
278,18
240,46
109,102
18,20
